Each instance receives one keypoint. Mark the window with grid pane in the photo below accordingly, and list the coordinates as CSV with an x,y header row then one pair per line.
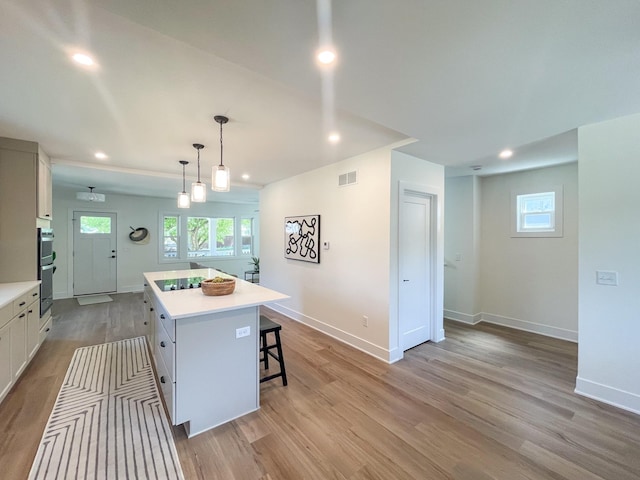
x,y
210,237
537,213
170,229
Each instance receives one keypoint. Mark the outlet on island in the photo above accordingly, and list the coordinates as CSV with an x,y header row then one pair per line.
x,y
243,332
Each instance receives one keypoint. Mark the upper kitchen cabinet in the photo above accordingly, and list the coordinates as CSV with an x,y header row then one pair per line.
x,y
44,197
25,204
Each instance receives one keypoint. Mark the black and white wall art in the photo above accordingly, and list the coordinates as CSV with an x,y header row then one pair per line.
x,y
302,238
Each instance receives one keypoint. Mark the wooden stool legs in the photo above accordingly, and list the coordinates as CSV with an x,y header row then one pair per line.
x,y
268,326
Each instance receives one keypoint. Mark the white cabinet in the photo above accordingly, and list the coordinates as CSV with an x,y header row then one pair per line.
x,y
20,330
18,334
33,329
44,190
25,204
207,375
6,378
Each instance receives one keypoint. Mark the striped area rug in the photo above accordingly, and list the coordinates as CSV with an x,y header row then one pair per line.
x,y
108,421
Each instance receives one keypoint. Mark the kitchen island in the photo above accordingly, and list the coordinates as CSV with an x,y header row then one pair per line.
x,y
205,347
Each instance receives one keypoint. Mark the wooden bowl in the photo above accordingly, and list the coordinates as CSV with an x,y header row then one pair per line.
x,y
224,287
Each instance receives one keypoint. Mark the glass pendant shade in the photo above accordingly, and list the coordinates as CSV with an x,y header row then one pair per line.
x,y
183,200
198,192
220,175
221,179
183,197
198,189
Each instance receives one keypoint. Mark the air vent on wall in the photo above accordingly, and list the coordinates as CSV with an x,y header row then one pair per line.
x,y
348,178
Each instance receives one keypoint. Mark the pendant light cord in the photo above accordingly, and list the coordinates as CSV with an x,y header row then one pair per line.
x,y
221,144
198,165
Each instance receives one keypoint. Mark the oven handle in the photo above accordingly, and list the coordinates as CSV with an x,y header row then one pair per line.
x,y
48,267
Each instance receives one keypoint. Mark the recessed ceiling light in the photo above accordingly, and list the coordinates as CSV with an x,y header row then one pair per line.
x,y
83,59
506,154
334,137
245,176
101,155
326,56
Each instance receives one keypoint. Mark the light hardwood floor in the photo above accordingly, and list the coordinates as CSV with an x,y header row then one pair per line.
x,y
487,403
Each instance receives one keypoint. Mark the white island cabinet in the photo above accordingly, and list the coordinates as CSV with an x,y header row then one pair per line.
x,y
206,349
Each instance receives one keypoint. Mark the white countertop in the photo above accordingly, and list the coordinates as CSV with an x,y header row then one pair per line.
x,y
10,291
191,301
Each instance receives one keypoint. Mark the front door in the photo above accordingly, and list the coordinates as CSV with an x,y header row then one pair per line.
x,y
415,263
94,253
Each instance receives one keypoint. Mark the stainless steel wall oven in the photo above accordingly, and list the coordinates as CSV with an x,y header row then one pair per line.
x,y
45,268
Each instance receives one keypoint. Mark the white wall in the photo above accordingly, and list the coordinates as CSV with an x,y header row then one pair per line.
x,y
608,359
530,283
462,249
355,276
352,278
525,283
133,259
415,171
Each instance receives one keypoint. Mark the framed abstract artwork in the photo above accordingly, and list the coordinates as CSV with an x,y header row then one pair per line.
x,y
302,238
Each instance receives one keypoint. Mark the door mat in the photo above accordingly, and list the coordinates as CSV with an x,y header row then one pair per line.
x,y
108,421
90,300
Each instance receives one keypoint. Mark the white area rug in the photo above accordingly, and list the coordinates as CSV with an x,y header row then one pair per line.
x,y
90,300
108,421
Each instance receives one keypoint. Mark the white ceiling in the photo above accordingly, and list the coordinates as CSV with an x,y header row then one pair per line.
x,y
464,78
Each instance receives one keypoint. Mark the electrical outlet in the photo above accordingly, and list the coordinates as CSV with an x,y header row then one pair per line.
x,y
365,321
243,332
606,278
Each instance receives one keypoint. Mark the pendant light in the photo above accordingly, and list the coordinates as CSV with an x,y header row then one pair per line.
x,y
198,189
183,196
220,175
90,196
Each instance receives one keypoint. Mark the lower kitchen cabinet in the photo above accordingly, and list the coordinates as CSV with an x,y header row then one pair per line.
x,y
21,330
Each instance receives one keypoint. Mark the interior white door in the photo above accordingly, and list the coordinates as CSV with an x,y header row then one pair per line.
x,y
414,296
94,253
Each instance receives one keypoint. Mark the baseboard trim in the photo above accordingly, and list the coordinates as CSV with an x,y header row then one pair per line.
x,y
463,317
345,337
546,330
609,395
127,289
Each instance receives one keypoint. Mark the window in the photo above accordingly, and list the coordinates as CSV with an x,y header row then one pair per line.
x,y
95,224
246,231
170,235
210,237
197,238
537,214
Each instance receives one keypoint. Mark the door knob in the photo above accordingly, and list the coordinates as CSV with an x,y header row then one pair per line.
x,y
113,256
405,280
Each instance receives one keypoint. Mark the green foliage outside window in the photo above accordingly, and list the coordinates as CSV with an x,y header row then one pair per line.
x,y
95,224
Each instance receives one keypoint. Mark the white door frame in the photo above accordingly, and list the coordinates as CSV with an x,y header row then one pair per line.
x,y
436,196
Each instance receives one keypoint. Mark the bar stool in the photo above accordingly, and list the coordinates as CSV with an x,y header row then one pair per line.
x,y
269,326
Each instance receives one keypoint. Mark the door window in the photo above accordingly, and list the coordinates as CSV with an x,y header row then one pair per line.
x,y
93,225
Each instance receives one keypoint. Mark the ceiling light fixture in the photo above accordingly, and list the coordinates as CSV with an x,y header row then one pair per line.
x,y
326,56
83,59
334,137
101,155
220,175
183,196
245,176
506,154
198,189
90,196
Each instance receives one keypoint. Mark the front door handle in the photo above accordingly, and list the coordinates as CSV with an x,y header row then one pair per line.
x,y
113,256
